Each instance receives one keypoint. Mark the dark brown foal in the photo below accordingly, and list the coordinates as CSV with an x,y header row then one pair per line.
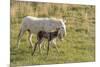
x,y
45,35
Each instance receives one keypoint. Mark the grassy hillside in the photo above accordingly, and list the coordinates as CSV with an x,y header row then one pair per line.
x,y
78,45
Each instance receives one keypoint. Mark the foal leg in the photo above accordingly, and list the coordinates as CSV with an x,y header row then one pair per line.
x,y
48,47
54,42
34,48
37,43
40,43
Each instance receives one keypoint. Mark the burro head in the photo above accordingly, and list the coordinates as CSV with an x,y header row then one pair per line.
x,y
62,30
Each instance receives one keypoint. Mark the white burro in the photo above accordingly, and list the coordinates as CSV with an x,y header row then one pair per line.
x,y
33,25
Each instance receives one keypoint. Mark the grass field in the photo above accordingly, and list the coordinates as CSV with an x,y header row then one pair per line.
x,y
78,45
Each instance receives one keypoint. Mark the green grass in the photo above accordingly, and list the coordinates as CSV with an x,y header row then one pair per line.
x,y
75,48
78,45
